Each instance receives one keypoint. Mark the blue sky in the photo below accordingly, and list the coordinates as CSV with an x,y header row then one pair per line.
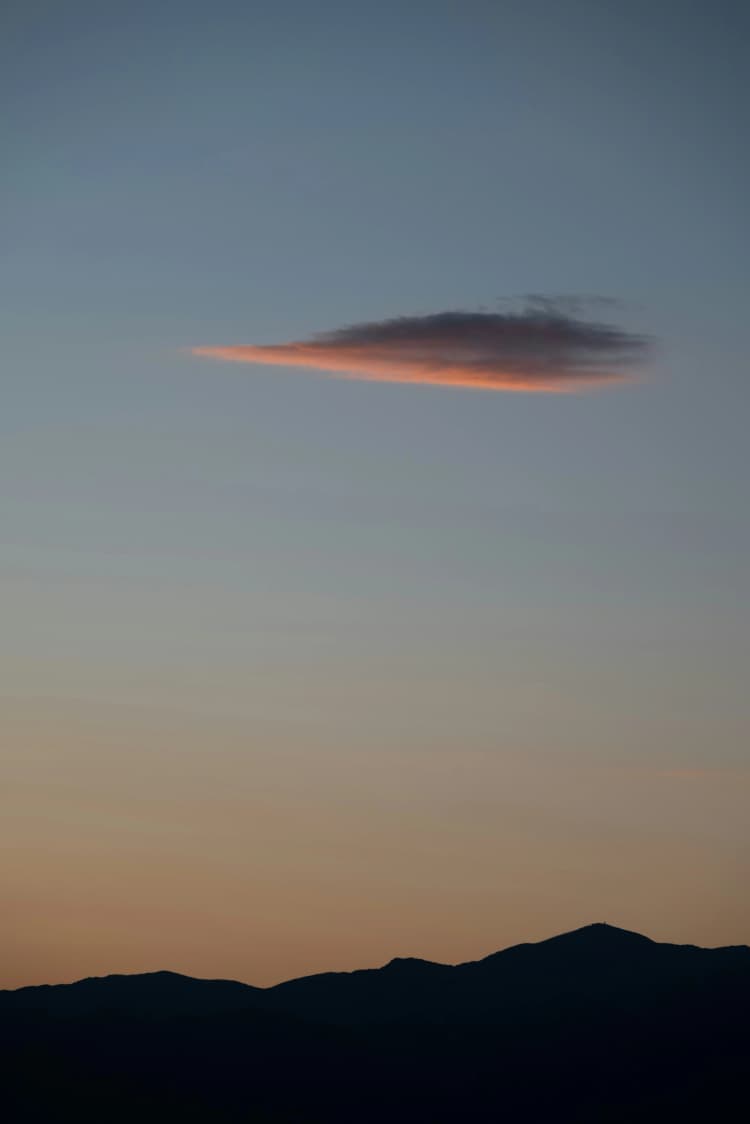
x,y
347,573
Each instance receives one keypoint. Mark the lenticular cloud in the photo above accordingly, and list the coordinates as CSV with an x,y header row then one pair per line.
x,y
541,348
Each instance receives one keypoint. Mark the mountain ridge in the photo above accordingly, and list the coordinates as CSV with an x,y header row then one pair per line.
x,y
600,930
596,1026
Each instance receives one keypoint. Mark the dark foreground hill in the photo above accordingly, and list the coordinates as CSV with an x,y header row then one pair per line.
x,y
595,1026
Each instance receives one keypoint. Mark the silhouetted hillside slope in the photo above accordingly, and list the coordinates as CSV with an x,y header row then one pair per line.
x,y
595,1025
598,963
155,993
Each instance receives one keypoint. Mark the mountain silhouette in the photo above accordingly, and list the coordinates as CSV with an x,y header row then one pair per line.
x,y
596,1025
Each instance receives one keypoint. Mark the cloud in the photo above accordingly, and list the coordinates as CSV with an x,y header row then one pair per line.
x,y
695,774
546,346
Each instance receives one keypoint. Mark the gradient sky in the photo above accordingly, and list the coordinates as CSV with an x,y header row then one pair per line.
x,y
299,673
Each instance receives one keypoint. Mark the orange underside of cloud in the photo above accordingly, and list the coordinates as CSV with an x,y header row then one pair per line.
x,y
368,365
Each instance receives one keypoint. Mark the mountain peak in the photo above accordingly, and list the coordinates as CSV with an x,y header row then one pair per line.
x,y
602,930
600,936
406,963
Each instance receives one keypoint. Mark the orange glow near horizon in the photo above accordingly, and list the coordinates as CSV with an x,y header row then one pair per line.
x,y
160,837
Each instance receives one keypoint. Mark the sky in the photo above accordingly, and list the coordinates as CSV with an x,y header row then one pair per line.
x,y
343,651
